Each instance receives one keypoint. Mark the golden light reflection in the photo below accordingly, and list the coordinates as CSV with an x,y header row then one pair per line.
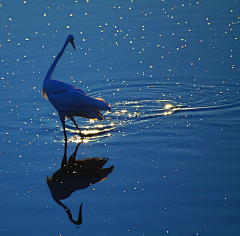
x,y
166,113
86,140
99,126
168,106
93,131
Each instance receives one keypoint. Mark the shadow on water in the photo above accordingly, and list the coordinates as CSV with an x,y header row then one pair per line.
x,y
76,174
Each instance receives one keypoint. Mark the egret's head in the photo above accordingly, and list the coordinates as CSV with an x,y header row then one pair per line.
x,y
70,39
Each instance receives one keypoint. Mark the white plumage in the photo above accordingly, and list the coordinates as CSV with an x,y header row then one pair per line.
x,y
69,100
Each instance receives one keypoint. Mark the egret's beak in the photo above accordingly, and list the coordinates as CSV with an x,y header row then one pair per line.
x,y
73,44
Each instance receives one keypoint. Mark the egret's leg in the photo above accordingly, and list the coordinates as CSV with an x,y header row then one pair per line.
x,y
72,158
62,118
73,120
64,160
79,221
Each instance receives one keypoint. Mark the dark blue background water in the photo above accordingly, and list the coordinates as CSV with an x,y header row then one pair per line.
x,y
176,168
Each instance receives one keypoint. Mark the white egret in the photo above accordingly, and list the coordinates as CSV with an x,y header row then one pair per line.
x,y
69,100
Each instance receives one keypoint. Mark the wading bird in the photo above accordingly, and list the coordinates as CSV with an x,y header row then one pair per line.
x,y
69,100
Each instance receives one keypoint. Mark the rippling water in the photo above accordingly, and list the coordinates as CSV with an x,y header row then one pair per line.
x,y
166,158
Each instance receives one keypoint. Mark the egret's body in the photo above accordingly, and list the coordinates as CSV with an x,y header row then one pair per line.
x,y
69,100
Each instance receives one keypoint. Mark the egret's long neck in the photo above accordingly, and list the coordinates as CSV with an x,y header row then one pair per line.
x,y
50,71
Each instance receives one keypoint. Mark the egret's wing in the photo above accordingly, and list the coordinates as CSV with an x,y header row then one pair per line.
x,y
74,101
59,87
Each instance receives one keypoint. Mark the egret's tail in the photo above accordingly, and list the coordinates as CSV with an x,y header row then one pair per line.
x,y
102,105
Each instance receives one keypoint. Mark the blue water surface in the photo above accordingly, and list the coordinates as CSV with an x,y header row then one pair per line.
x,y
170,70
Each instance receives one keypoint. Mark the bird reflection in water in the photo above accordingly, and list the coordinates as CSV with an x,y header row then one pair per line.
x,y
76,174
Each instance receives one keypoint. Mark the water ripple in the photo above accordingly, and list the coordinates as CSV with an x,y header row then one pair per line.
x,y
146,102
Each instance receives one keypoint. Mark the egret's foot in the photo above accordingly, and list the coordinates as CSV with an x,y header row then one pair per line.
x,y
82,136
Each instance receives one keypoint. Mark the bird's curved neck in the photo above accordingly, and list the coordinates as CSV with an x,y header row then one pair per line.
x,y
50,71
